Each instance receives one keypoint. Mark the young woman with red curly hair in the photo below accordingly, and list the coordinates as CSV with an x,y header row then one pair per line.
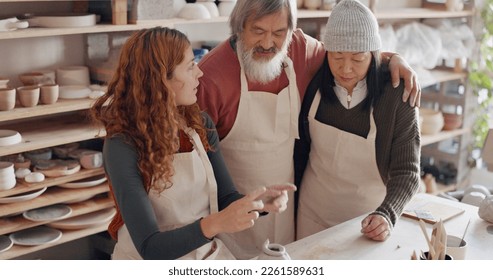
x,y
173,192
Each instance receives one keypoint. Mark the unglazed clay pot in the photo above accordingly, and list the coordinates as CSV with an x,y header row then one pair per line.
x,y
312,4
272,251
454,5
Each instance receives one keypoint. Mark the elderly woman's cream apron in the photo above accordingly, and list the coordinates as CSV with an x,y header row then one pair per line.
x,y
341,180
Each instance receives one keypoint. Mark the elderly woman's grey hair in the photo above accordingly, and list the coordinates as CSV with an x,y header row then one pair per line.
x,y
244,9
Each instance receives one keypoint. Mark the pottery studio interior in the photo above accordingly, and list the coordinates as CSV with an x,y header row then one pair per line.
x,y
59,58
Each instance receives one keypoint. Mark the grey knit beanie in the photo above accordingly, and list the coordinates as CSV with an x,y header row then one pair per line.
x,y
351,27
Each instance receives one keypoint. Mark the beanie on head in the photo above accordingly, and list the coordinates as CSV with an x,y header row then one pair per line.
x,y
351,27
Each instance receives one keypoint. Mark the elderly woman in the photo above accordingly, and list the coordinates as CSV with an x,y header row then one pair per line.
x,y
360,145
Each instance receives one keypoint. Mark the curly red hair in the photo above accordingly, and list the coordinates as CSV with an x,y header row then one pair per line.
x,y
140,104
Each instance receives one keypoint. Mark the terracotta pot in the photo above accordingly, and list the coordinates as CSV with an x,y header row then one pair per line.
x,y
452,121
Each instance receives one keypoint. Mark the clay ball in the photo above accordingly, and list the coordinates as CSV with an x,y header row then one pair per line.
x,y
486,209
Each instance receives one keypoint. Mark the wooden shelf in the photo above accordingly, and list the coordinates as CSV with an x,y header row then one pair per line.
x,y
61,106
418,13
68,235
442,75
17,223
442,135
51,132
443,99
404,13
398,13
23,187
51,196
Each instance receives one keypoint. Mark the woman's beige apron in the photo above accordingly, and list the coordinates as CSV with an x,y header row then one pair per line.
x,y
259,152
193,195
341,180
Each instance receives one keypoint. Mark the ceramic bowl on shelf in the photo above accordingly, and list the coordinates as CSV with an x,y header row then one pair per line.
x,y
63,20
18,160
194,11
432,121
74,92
32,78
9,137
4,81
211,7
451,121
73,75
7,98
62,151
28,95
40,154
89,159
49,93
225,8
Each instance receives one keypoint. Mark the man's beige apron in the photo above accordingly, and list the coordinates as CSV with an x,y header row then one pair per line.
x,y
341,180
193,195
259,152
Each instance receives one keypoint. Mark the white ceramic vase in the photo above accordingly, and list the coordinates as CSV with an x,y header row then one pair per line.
x,y
273,251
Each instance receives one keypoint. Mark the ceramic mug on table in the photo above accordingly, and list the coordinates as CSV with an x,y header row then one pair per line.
x,y
456,247
7,99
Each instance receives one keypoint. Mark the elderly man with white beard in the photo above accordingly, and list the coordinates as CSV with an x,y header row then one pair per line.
x,y
252,86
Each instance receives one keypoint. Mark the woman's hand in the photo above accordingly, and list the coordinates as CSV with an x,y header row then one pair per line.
x,y
375,227
238,216
276,197
400,69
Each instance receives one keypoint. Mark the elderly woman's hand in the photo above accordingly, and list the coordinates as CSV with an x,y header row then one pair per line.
x,y
376,227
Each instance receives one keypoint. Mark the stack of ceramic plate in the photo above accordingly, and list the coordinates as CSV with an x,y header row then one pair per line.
x,y
87,220
22,197
5,243
85,183
48,213
35,236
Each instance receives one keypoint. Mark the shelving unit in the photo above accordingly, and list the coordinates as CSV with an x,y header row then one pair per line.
x,y
45,126
64,122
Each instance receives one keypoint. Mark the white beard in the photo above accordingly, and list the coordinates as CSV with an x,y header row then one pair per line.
x,y
262,71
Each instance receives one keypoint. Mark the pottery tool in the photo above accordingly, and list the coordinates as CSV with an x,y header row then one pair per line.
x,y
464,235
437,242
